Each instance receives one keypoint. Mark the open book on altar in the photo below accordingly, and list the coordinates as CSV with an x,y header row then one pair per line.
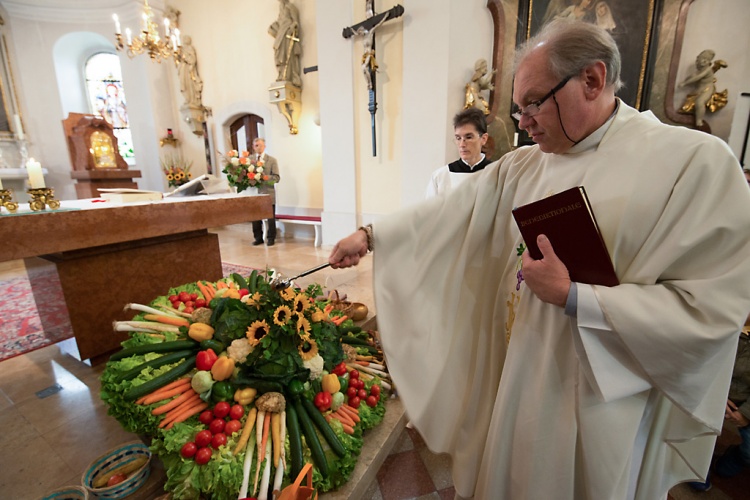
x,y
567,220
127,195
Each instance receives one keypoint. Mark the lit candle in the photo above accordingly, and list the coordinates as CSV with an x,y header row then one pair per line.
x,y
19,128
166,27
36,178
177,34
129,36
174,43
117,23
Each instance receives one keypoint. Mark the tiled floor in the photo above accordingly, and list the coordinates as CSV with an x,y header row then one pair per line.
x,y
47,442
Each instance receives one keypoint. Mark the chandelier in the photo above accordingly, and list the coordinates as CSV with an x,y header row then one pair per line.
x,y
148,40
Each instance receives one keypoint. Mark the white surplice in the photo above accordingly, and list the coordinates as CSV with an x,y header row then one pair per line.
x,y
623,401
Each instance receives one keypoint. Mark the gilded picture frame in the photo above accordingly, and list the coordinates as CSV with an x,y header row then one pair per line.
x,y
8,102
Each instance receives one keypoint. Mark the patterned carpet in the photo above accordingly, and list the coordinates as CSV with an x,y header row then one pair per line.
x,y
20,327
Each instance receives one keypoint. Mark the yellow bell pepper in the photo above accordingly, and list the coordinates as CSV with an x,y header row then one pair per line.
x,y
200,332
231,293
245,396
330,383
222,368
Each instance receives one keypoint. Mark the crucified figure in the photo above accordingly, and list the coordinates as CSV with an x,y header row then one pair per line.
x,y
369,63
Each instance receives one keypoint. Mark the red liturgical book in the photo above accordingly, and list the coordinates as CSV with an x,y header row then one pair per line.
x,y
567,220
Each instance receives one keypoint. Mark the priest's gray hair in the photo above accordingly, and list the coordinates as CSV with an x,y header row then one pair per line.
x,y
572,46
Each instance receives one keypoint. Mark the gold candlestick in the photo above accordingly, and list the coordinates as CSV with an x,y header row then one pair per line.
x,y
42,197
6,200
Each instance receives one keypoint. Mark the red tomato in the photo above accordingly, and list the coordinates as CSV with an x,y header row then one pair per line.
x,y
203,456
353,374
375,390
188,310
354,402
372,401
116,479
203,439
232,427
193,296
243,292
176,304
189,303
351,391
218,440
221,409
188,449
217,426
357,383
206,417
236,412
173,298
340,369
200,303
362,394
184,296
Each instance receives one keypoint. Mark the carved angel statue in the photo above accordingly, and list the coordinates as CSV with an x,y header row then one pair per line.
x,y
481,80
705,95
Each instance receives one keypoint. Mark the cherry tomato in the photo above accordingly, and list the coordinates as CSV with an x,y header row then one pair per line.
x,y
362,394
351,391
236,412
188,449
353,374
116,479
193,296
340,369
200,303
203,456
206,417
375,390
176,304
354,402
218,440
188,310
189,303
243,292
372,401
358,383
232,427
221,409
173,298
203,438
217,426
184,296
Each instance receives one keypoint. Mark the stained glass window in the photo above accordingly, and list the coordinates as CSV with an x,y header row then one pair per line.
x,y
107,97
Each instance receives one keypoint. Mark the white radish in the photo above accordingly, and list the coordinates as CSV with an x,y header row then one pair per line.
x,y
278,477
152,325
246,467
147,309
174,312
119,326
259,439
283,439
263,494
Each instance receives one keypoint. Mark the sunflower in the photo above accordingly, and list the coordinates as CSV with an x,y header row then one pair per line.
x,y
303,326
287,293
256,331
282,315
308,348
301,303
252,300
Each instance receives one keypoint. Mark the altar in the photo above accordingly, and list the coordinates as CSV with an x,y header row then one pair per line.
x,y
108,255
15,180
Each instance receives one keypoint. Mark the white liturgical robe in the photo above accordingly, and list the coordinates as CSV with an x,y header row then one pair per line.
x,y
626,399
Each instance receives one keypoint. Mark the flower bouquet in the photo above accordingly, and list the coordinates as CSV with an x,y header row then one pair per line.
x,y
238,384
177,170
244,172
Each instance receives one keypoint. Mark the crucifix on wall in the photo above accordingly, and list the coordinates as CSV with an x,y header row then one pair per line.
x,y
369,63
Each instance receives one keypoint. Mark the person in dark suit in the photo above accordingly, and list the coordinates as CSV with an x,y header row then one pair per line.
x,y
271,168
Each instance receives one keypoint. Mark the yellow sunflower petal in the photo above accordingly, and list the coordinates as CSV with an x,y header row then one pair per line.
x,y
303,326
308,348
287,294
282,315
256,331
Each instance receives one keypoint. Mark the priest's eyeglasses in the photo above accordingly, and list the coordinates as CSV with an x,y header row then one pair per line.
x,y
532,108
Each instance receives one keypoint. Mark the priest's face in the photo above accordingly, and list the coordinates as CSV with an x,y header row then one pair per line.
x,y
469,141
548,104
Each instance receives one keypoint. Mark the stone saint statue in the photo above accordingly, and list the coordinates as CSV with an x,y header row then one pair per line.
x,y
191,84
480,80
705,95
286,44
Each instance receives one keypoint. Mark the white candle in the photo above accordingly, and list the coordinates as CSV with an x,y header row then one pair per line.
x,y
1,183
129,36
117,23
19,128
177,34
36,177
166,27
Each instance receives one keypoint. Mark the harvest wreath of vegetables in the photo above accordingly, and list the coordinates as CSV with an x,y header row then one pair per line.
x,y
236,380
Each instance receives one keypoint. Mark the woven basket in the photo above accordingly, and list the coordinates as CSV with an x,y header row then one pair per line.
x,y
114,459
355,310
67,493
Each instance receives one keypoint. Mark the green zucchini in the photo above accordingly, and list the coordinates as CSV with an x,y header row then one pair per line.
x,y
175,345
350,329
167,359
252,282
295,441
214,344
241,283
311,438
160,381
325,429
261,385
356,341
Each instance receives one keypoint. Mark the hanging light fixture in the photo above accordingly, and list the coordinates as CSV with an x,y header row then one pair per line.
x,y
148,40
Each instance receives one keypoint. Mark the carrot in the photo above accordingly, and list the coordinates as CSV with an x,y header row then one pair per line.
x,y
327,309
347,428
340,320
187,414
167,320
247,430
353,416
266,428
351,412
175,413
232,285
189,401
220,285
203,289
345,419
167,391
182,398
211,289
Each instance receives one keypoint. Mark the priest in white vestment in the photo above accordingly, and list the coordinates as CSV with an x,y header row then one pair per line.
x,y
540,388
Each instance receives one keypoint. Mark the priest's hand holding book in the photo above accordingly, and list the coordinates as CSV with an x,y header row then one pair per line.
x,y
547,277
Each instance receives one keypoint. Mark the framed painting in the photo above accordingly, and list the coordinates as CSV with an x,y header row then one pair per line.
x,y
632,23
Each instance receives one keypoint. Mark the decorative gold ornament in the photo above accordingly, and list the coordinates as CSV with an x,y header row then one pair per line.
x,y
148,40
6,200
288,98
41,198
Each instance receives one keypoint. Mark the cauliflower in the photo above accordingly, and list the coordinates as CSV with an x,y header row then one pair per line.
x,y
239,349
315,365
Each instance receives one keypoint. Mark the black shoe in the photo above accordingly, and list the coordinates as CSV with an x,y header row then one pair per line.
x,y
270,243
257,242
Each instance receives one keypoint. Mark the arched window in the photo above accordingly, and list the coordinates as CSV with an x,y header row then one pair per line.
x,y
244,130
107,97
